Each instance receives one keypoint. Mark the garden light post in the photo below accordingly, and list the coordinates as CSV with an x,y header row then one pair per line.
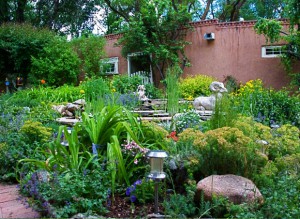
x,y
156,162
7,85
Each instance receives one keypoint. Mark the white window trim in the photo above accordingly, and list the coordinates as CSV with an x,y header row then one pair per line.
x,y
264,51
115,61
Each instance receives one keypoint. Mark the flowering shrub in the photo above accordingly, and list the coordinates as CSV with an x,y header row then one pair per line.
x,y
194,86
134,159
267,105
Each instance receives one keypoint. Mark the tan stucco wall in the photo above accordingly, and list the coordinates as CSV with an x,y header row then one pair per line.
x,y
236,51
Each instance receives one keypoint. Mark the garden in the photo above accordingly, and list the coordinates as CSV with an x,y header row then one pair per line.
x,y
99,167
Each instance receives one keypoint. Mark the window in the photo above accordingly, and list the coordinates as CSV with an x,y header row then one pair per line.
x,y
271,51
110,66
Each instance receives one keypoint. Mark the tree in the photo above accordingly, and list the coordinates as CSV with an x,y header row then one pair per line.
x,y
156,28
273,31
18,42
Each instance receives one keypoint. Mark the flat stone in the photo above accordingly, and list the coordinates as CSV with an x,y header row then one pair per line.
x,y
67,121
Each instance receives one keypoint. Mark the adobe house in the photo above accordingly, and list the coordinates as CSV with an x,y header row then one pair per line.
x,y
217,49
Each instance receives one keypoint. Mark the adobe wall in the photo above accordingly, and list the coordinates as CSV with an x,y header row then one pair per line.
x,y
235,51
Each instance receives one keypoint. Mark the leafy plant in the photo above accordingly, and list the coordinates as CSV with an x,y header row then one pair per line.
x,y
227,150
125,84
58,64
35,131
74,158
194,86
57,197
188,119
90,49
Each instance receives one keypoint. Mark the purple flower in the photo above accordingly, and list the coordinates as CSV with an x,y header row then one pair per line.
x,y
132,198
138,182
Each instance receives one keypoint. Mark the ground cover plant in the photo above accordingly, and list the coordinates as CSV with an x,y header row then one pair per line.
x,y
105,157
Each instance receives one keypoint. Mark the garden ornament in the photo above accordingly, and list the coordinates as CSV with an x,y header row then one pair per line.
x,y
141,91
208,103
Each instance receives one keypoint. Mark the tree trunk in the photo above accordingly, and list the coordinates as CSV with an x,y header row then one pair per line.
x,y
208,3
4,12
21,4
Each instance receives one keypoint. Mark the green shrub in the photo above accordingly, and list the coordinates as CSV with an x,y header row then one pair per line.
x,y
267,105
224,113
286,141
57,64
125,84
90,49
18,42
58,198
227,150
154,134
35,131
194,86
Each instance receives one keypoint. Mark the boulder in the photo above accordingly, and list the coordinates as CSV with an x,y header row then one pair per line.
x,y
237,189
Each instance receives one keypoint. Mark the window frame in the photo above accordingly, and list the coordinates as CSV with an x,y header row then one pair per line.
x,y
115,62
264,52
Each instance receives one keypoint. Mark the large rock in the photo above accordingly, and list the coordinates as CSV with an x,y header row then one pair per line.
x,y
236,188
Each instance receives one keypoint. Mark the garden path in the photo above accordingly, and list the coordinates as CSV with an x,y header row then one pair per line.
x,y
11,206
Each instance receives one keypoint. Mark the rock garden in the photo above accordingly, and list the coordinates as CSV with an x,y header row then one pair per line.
x,y
82,151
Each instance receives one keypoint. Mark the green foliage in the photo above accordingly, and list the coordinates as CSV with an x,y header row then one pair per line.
x,y
270,28
156,30
153,92
267,105
172,90
125,84
35,131
179,206
194,86
74,158
141,191
153,134
18,42
95,89
90,49
57,64
281,200
224,114
57,197
219,146
285,142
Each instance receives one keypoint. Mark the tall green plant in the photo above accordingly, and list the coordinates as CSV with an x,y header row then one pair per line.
x,y
172,89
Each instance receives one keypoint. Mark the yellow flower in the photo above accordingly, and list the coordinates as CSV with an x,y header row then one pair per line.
x,y
113,90
82,91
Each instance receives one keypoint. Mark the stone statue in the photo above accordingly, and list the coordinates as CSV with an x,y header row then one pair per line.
x,y
208,103
141,91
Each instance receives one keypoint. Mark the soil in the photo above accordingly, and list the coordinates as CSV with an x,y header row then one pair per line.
x,y
122,208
